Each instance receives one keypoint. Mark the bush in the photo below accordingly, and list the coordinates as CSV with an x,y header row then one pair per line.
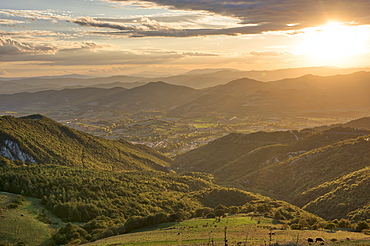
x,y
295,226
18,200
12,205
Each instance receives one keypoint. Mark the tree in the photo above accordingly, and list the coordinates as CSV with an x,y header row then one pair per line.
x,y
331,226
278,215
343,223
361,225
220,210
234,209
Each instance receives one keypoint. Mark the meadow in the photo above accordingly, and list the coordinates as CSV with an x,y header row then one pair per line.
x,y
22,224
239,230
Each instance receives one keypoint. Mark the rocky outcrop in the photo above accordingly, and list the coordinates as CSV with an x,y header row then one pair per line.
x,y
11,151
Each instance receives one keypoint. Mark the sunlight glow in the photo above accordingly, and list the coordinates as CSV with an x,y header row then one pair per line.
x,y
334,42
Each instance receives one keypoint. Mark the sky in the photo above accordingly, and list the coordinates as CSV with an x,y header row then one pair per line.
x,y
163,37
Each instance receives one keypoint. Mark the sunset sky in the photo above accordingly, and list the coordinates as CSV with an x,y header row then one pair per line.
x,y
111,37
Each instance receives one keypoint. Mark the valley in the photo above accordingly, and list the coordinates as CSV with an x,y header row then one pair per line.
x,y
174,118
136,166
182,122
173,135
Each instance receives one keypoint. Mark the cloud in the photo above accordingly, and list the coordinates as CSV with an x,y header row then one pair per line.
x,y
32,34
85,53
10,22
91,22
199,54
144,24
268,53
11,46
37,14
276,14
232,31
174,18
93,46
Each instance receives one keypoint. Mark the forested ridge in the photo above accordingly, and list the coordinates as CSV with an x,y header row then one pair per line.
x,y
319,157
49,142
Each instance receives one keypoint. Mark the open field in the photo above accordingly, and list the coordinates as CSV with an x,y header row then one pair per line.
x,y
22,224
239,229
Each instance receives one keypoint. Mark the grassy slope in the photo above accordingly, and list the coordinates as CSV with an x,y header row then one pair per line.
x,y
49,142
21,224
192,232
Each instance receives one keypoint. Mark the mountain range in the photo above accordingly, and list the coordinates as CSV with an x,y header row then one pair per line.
x,y
345,95
198,79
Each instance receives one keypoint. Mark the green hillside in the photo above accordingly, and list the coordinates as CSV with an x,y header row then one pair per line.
x,y
223,150
22,221
236,155
111,203
37,139
345,195
289,165
310,169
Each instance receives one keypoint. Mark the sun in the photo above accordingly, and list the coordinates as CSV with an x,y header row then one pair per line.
x,y
334,42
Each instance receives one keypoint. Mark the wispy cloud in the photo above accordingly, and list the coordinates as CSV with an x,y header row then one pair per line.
x,y
37,14
268,53
143,24
280,13
10,22
86,53
11,46
233,31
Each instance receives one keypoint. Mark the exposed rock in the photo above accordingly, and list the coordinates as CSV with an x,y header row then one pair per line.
x,y
12,152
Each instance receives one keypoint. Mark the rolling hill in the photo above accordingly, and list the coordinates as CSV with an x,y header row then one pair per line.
x,y
301,167
197,79
37,139
343,95
344,195
152,96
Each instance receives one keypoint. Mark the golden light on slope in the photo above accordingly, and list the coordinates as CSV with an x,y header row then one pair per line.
x,y
334,42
